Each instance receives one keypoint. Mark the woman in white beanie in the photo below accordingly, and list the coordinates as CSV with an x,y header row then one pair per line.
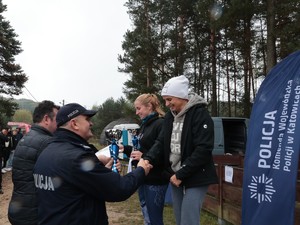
x,y
185,145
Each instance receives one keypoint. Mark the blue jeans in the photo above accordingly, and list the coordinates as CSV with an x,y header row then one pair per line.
x,y
187,204
152,199
10,159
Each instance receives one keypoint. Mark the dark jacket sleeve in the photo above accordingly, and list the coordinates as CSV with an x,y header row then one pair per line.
x,y
127,150
3,139
105,184
155,153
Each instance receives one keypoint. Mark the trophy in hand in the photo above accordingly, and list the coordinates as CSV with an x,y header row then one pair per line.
x,y
135,143
113,136
135,140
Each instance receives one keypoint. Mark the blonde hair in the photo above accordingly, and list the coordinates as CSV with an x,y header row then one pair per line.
x,y
152,99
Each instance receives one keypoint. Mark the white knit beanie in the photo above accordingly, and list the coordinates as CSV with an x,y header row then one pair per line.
x,y
176,87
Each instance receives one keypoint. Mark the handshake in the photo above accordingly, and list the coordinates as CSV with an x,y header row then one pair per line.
x,y
108,162
145,164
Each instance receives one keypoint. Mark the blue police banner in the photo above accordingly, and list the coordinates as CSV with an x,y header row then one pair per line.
x,y
272,152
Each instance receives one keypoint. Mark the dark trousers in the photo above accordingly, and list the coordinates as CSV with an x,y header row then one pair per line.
x,y
5,156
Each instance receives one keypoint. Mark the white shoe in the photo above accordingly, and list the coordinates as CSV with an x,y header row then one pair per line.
x,y
3,171
7,169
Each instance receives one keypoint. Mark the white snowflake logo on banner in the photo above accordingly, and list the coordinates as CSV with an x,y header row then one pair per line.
x,y
261,188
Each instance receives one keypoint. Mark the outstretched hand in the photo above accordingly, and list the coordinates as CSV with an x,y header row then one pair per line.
x,y
136,155
146,165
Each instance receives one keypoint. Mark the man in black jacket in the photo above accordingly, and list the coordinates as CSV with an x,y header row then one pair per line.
x,y
23,204
73,184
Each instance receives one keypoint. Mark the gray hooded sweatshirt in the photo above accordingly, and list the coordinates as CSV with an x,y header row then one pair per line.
x,y
175,155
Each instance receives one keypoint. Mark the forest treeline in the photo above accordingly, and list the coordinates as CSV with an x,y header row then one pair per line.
x,y
225,48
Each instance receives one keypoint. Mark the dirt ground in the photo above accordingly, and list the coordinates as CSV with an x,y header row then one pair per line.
x,y
115,212
5,198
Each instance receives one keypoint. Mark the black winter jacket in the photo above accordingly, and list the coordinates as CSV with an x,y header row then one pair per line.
x,y
149,131
3,139
197,166
73,184
23,204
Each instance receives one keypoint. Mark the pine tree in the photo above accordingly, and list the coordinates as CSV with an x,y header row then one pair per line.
x,y
224,51
12,77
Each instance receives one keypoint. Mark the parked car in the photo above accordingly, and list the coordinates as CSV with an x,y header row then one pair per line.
x,y
230,135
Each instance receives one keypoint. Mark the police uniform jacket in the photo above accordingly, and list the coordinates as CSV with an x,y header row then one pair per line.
x,y
73,185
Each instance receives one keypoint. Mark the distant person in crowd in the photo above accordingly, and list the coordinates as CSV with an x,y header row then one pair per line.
x,y
152,192
73,184
186,141
11,149
6,149
18,135
23,204
3,139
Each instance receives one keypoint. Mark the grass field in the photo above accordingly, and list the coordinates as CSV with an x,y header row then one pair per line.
x,y
128,212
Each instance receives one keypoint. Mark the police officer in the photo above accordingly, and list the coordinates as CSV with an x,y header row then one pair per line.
x,y
73,185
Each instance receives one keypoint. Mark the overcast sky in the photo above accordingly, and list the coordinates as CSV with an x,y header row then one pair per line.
x,y
70,48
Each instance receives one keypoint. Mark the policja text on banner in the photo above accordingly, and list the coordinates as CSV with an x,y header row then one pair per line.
x,y
272,153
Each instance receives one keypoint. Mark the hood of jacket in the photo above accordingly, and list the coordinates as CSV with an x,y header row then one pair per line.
x,y
194,99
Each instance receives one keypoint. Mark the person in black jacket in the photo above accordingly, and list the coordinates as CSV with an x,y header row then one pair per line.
x,y
14,142
22,208
73,184
6,149
3,139
9,150
152,193
185,145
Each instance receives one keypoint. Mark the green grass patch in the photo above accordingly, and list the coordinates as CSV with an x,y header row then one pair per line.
x,y
129,212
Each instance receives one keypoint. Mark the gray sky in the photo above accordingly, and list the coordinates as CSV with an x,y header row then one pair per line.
x,y
70,48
